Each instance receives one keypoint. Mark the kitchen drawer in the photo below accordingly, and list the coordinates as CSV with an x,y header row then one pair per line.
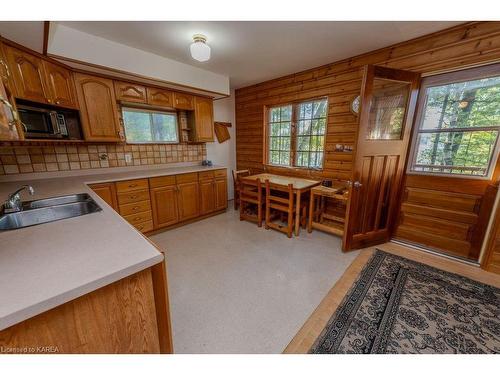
x,y
145,227
161,181
132,185
133,196
207,175
140,217
220,173
187,177
133,208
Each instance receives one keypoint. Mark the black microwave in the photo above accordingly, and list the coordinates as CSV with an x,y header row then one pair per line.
x,y
45,122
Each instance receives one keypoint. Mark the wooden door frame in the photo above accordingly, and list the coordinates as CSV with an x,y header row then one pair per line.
x,y
370,73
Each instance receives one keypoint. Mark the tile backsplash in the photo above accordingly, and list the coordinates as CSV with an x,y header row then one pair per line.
x,y
47,157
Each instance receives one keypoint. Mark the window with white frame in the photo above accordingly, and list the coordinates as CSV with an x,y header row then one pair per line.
x,y
296,134
458,127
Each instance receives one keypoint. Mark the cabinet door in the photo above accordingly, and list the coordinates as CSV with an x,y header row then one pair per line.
x,y
207,196
98,109
162,98
204,120
164,202
129,92
188,200
27,73
107,192
183,101
220,194
60,84
8,125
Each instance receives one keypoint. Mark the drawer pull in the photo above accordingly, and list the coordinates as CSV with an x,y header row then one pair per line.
x,y
137,219
132,185
133,196
135,208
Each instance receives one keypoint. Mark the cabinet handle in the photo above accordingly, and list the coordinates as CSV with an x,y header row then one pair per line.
x,y
133,196
137,219
132,185
135,208
49,101
6,75
58,102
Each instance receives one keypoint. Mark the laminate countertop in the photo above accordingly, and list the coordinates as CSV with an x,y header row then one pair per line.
x,y
47,265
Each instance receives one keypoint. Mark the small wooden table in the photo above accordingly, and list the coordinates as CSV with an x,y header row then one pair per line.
x,y
300,186
323,192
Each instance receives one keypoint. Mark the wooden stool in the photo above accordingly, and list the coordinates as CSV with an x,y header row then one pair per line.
x,y
317,214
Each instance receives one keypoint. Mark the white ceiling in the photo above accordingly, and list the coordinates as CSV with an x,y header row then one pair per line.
x,y
251,52
247,52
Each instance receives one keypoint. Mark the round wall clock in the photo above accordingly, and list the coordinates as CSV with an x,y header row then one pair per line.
x,y
356,102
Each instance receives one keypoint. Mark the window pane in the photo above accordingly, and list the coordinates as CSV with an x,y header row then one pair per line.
x,y
137,126
286,113
165,127
275,143
285,144
302,159
285,158
274,157
387,109
303,143
467,152
143,126
275,115
285,129
463,104
275,129
304,127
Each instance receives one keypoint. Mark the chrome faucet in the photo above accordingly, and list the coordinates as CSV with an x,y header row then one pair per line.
x,y
13,202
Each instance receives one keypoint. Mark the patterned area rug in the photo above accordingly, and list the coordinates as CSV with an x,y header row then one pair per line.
x,y
401,306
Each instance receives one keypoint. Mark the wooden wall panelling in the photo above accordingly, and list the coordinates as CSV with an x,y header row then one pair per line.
x,y
470,44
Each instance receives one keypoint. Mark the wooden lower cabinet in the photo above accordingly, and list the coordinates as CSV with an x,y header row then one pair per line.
x,y
207,196
107,192
188,200
220,193
164,202
128,316
160,202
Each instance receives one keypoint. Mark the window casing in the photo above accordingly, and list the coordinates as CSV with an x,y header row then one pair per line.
x,y
147,126
296,134
457,125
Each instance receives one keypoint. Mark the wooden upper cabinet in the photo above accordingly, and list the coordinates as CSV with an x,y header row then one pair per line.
x,y
98,109
130,92
204,120
159,97
60,84
183,101
9,130
28,75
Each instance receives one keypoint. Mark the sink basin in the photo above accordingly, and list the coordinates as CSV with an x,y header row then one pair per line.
x,y
48,202
48,210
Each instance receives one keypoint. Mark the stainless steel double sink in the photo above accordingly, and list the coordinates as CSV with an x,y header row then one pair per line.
x,y
47,210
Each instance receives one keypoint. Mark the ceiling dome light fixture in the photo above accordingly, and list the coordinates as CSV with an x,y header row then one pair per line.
x,y
200,50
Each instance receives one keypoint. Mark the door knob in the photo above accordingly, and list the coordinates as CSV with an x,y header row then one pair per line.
x,y
357,184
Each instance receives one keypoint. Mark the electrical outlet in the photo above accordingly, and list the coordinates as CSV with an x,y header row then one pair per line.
x,y
128,158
